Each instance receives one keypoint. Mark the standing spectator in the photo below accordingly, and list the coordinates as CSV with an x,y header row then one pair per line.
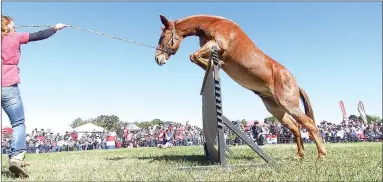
x,y
74,136
50,136
57,137
120,132
11,100
89,142
27,138
67,136
124,137
31,146
103,139
34,133
129,138
255,130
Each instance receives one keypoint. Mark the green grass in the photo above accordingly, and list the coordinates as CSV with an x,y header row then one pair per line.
x,y
345,162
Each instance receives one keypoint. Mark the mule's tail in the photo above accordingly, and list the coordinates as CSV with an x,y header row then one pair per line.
x,y
307,104
308,109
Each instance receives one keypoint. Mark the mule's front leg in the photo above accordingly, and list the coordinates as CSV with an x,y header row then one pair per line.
x,y
201,62
201,57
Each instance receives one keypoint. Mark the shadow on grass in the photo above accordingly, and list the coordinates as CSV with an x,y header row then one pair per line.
x,y
197,159
116,158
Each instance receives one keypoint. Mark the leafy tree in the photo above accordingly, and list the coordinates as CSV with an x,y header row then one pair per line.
x,y
243,122
144,124
155,122
354,117
124,123
108,122
271,120
77,122
372,119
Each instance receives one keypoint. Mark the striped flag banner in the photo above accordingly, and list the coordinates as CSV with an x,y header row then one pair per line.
x,y
343,111
362,111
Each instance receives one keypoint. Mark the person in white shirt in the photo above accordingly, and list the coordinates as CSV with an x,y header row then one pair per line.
x,y
340,134
28,138
305,136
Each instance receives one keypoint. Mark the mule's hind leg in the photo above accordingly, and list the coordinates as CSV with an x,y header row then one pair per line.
x,y
286,93
307,122
284,118
291,104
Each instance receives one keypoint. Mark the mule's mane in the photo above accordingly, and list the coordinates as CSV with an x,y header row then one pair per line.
x,y
203,16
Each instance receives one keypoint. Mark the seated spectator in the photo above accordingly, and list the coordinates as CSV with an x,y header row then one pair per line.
x,y
168,135
305,135
353,135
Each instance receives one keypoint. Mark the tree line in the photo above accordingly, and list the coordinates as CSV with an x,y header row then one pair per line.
x,y
113,123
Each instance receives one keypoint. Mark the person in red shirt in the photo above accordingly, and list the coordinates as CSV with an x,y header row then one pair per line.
x,y
161,135
11,101
118,143
40,138
125,137
74,136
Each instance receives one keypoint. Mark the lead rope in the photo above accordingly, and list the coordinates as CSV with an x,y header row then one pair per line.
x,y
95,32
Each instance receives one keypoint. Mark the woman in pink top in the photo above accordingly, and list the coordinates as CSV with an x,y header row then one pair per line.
x,y
10,98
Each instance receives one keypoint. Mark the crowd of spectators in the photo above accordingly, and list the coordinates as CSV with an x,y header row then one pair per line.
x,y
347,131
41,141
350,130
152,136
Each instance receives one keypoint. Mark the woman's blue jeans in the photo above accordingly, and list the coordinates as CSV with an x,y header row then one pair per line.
x,y
13,106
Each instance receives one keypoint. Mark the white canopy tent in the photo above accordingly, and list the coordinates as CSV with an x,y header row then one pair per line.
x,y
89,127
133,127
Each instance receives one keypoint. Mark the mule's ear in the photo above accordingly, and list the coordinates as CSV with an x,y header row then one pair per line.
x,y
164,21
162,28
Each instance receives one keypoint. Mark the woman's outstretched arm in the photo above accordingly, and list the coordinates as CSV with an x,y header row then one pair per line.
x,y
44,34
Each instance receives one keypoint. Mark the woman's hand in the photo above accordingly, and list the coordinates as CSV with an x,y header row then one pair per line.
x,y
60,26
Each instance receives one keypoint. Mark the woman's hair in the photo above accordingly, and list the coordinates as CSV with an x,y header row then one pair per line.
x,y
5,21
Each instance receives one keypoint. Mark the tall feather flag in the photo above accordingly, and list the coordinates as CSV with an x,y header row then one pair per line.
x,y
343,111
362,111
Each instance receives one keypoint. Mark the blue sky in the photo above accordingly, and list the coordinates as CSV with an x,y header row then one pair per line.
x,y
334,49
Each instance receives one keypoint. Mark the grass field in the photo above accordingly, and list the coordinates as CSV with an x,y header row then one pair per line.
x,y
345,162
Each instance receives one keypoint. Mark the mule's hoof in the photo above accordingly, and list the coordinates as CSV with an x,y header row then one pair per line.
x,y
322,154
299,157
192,58
221,64
321,157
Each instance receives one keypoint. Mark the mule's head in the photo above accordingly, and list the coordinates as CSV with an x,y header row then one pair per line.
x,y
168,43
